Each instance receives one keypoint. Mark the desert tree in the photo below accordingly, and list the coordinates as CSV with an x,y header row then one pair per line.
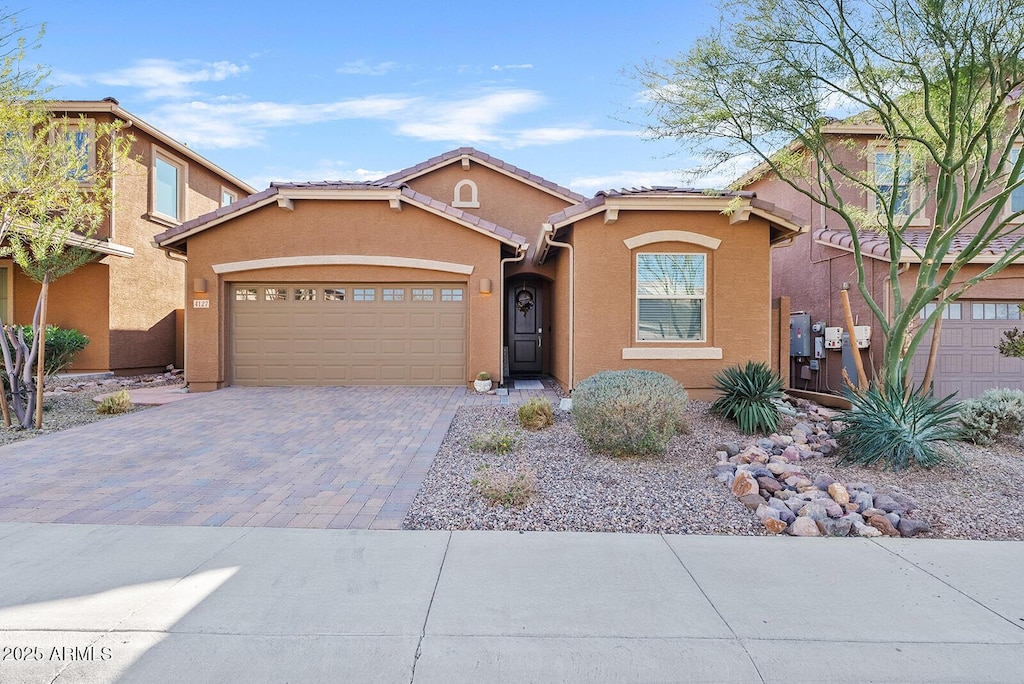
x,y
55,193
785,84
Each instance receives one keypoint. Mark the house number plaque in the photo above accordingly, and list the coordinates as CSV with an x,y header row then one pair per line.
x,y
200,303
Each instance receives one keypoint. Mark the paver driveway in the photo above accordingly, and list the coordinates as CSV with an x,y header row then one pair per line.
x,y
340,457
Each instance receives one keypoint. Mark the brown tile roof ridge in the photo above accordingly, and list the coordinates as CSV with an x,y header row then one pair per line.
x,y
663,190
461,215
338,185
191,224
484,157
877,244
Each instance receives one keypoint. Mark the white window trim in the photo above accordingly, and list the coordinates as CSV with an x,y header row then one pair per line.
x,y
916,191
90,128
224,190
474,200
637,298
182,166
1018,147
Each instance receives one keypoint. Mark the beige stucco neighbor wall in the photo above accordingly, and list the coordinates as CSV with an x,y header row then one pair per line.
x,y
335,227
738,303
146,290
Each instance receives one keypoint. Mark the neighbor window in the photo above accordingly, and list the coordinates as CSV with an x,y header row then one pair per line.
x,y
671,290
227,197
1017,195
168,186
886,175
80,137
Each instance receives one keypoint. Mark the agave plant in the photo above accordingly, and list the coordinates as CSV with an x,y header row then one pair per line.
x,y
899,429
748,396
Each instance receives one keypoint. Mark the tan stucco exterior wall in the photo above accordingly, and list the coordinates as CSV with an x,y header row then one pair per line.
x,y
508,202
336,227
738,303
79,301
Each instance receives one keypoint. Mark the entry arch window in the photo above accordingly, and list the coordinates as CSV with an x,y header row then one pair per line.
x,y
671,297
169,176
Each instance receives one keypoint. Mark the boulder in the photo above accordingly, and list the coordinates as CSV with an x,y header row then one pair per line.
x,y
837,527
882,524
832,509
838,492
731,448
889,504
867,531
813,511
804,527
911,527
863,500
744,484
823,482
751,501
769,484
774,525
764,512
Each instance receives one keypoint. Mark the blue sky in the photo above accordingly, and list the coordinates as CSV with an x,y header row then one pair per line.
x,y
355,90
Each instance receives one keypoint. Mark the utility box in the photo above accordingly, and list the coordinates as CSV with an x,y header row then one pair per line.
x,y
833,338
863,333
800,335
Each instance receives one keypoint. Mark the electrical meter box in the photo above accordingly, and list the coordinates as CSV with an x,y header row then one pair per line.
x,y
800,335
833,338
863,334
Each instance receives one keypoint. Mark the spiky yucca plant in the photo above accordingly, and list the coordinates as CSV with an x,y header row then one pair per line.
x,y
748,396
898,430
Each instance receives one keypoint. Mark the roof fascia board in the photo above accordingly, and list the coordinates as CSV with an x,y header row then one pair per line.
x,y
454,219
136,122
669,203
217,221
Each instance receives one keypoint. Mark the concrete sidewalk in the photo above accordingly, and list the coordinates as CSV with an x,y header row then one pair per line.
x,y
84,603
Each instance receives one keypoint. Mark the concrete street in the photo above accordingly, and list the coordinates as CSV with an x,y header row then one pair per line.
x,y
128,603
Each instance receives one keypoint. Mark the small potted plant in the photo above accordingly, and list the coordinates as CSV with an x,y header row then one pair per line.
x,y
483,382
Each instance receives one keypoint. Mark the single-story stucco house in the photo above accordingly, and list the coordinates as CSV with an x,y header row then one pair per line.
x,y
465,263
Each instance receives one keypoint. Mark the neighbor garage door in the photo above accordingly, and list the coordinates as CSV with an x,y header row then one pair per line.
x,y
348,334
968,361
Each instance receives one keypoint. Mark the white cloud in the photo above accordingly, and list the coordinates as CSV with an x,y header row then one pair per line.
x,y
323,170
363,68
588,185
161,78
556,135
507,67
471,120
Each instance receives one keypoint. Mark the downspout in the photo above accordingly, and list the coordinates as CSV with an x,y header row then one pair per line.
x,y
520,255
549,232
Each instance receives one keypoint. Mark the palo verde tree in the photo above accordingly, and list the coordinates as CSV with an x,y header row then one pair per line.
x,y
939,82
55,193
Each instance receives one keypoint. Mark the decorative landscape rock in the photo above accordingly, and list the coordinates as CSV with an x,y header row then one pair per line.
x,y
768,478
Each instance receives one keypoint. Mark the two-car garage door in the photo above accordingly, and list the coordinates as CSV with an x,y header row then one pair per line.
x,y
348,333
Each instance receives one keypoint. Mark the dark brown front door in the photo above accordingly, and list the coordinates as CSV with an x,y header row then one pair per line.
x,y
525,329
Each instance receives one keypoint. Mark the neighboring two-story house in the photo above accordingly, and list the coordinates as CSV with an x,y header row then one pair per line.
x,y
814,268
129,301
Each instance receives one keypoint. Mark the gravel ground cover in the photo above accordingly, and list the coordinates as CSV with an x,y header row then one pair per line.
x,y
68,403
979,497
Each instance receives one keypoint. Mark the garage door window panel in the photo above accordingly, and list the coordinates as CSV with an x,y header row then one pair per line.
x,y
245,294
420,294
275,294
451,294
364,294
995,311
393,294
334,294
305,294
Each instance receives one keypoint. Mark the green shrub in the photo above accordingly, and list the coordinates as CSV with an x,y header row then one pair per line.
x,y
497,442
503,488
898,430
62,344
997,411
536,414
748,395
629,412
119,402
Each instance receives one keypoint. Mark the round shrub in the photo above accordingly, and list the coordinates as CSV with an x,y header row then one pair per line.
x,y
630,412
536,414
748,395
996,411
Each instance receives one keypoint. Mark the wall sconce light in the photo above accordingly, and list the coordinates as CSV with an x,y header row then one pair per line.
x,y
199,285
485,286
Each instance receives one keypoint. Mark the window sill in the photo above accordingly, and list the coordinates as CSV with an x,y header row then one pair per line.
x,y
163,220
653,353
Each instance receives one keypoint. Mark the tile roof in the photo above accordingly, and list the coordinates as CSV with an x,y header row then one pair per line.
x,y
667,190
456,154
383,185
875,244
